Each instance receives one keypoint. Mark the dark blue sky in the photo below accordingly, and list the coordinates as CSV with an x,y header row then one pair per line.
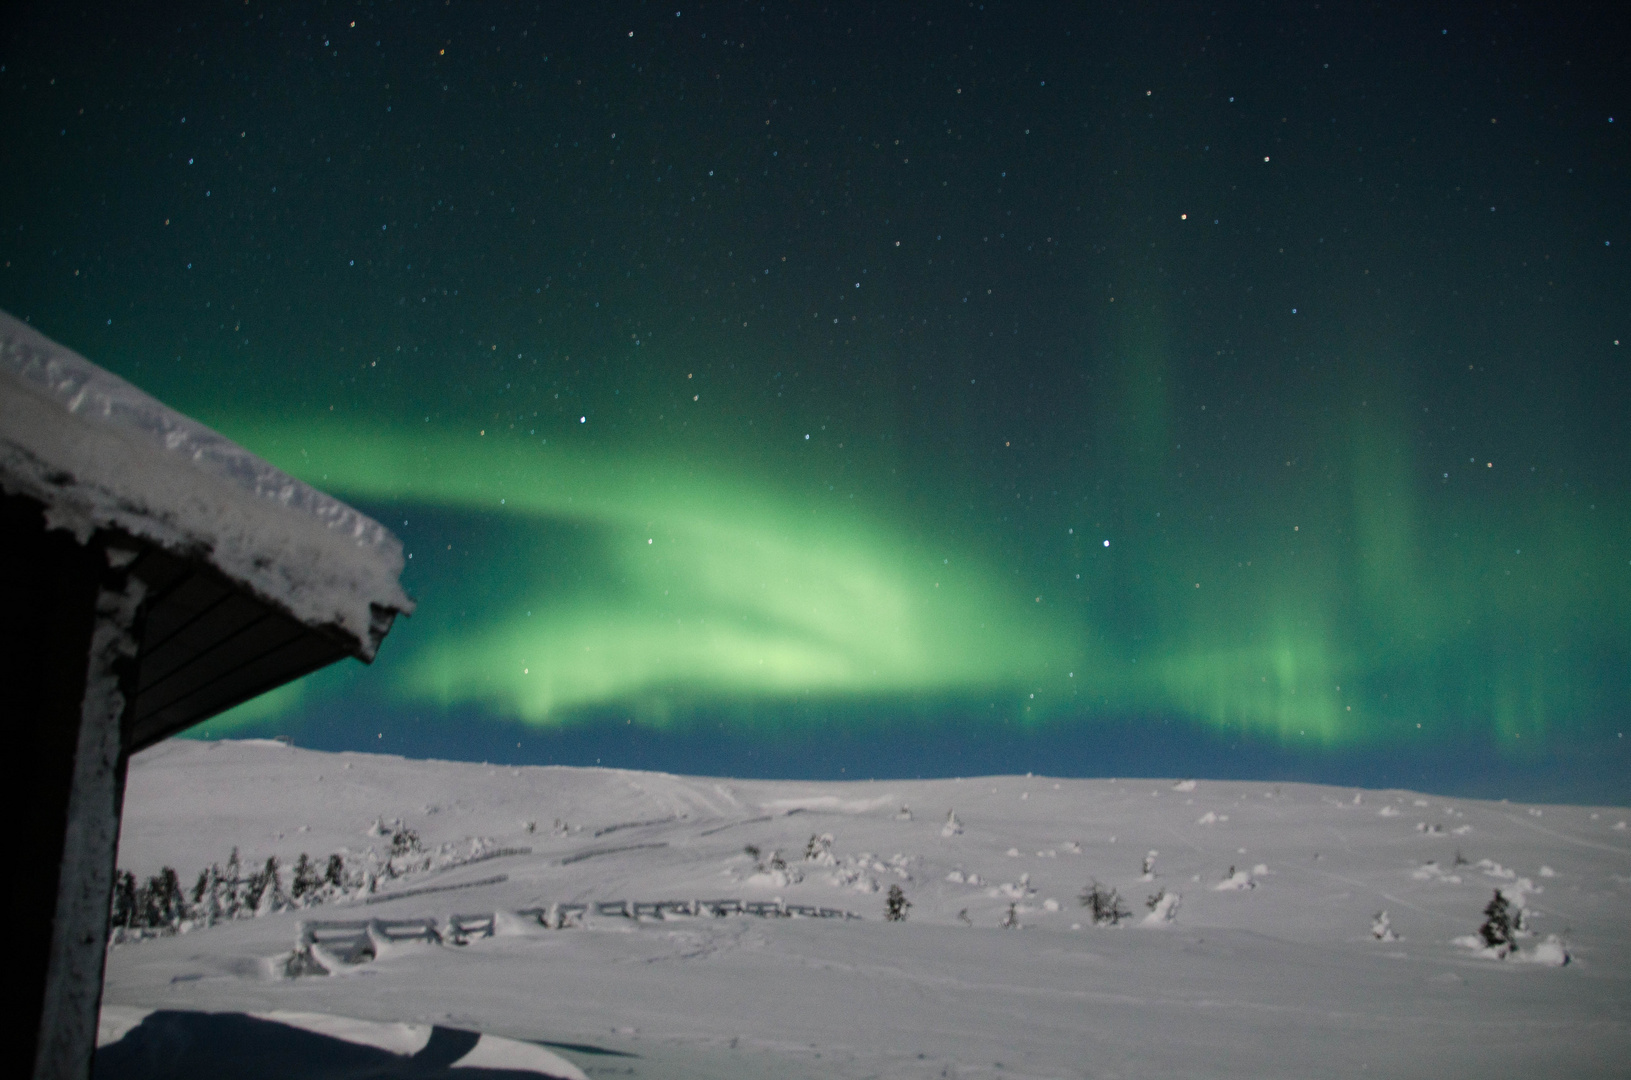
x,y
781,389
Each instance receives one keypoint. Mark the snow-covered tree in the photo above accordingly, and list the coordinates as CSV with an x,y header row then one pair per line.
x,y
265,890
232,882
123,910
1499,929
209,895
304,888
895,905
1104,905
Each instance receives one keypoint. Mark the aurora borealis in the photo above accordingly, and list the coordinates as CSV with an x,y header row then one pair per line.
x,y
984,388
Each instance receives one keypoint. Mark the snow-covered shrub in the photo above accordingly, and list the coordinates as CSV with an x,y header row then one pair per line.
x,y
819,849
404,841
1235,881
895,905
1381,928
1104,905
1163,908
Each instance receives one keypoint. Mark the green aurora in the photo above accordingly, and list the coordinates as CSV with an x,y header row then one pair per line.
x,y
707,583
710,584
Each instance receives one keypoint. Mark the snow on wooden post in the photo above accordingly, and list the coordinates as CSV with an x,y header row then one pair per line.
x,y
154,574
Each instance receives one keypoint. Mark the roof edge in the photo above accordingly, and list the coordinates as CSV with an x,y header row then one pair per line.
x,y
102,454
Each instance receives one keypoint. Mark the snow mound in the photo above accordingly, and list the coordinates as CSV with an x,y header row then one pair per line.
x,y
1237,881
1431,871
1549,953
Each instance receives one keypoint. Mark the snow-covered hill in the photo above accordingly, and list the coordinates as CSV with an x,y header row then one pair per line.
x,y
1252,945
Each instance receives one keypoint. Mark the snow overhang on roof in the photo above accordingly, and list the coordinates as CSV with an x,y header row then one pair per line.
x,y
101,455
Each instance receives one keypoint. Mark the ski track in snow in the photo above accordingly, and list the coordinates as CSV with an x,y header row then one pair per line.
x,y
1279,977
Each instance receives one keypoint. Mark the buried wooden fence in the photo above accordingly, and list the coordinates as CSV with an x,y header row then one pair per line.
x,y
324,945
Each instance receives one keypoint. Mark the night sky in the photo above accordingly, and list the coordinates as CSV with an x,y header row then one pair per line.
x,y
800,390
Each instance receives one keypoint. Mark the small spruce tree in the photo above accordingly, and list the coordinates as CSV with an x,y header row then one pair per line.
x,y
303,889
895,905
150,903
272,897
264,891
123,912
233,886
173,900
209,900
1499,927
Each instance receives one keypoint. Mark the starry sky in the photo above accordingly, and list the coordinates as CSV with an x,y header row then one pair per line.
x,y
868,390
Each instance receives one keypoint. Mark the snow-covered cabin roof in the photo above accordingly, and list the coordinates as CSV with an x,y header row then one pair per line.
x,y
227,531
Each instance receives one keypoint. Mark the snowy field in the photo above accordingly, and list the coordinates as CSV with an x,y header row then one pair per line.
x,y
621,921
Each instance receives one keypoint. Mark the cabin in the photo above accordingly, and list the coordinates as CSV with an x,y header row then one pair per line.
x,y
155,574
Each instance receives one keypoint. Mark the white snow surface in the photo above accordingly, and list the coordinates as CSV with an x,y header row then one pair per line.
x,y
1286,979
100,453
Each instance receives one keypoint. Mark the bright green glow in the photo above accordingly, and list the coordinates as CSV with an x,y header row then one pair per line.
x,y
707,583
1289,686
1345,611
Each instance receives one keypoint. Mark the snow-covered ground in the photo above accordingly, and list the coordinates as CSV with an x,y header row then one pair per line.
x,y
1273,960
